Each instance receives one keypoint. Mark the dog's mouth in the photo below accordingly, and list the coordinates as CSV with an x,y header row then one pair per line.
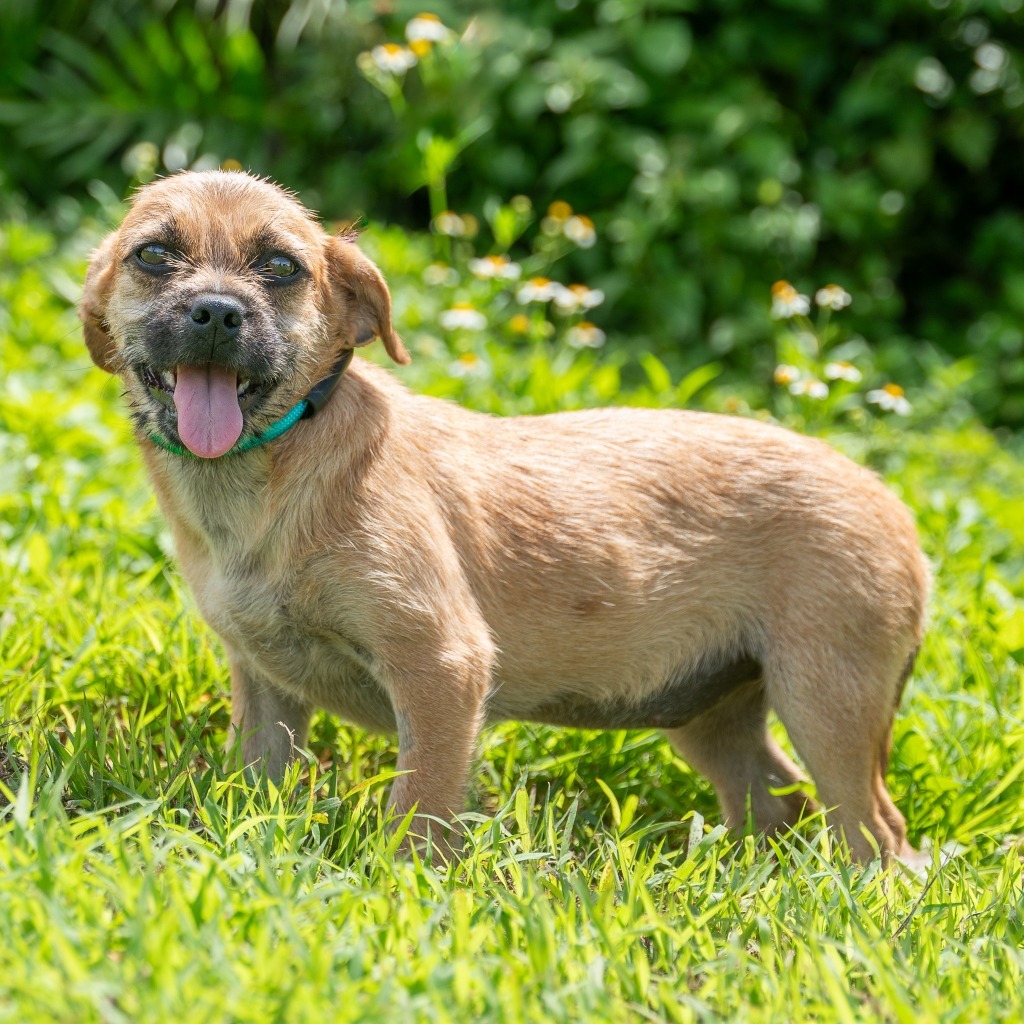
x,y
207,402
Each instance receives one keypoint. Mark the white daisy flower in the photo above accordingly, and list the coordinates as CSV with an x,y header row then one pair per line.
x,y
843,371
393,58
427,28
585,335
891,398
833,296
496,266
809,388
580,230
787,302
538,289
462,316
469,364
579,296
785,374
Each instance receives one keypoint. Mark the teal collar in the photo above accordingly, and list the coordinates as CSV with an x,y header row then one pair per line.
x,y
302,410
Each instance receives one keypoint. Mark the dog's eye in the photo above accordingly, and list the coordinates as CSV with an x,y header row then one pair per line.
x,y
280,267
155,255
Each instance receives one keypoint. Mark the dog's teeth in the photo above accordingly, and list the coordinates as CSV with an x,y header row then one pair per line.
x,y
243,385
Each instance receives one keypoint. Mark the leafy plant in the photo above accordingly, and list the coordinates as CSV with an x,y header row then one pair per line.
x,y
714,148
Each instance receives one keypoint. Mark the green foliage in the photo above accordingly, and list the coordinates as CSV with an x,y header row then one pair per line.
x,y
716,147
141,878
712,150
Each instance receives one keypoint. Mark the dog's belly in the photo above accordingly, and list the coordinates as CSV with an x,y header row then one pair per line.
x,y
269,632
686,695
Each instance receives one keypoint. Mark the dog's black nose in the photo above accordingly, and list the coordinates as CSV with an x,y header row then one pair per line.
x,y
216,317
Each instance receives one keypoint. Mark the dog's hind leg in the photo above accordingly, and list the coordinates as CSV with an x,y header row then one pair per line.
x,y
730,745
838,711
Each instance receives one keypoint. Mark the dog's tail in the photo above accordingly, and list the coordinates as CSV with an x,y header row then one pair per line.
x,y
886,748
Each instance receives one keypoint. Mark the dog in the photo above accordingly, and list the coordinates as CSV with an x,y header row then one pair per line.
x,y
419,568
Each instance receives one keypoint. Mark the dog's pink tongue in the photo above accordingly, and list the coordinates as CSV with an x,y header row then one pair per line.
x,y
209,418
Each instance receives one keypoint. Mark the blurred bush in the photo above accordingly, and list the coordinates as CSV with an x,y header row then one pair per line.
x,y
715,147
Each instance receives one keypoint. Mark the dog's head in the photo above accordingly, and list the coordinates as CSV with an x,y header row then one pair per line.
x,y
220,301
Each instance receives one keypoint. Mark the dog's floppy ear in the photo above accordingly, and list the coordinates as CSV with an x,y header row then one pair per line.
x,y
367,299
92,307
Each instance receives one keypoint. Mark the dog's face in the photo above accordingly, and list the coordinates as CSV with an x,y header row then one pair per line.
x,y
221,302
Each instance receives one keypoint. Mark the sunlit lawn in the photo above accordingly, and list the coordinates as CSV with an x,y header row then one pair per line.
x,y
141,879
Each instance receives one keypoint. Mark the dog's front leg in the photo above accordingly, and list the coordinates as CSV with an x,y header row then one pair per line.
x,y
439,715
270,724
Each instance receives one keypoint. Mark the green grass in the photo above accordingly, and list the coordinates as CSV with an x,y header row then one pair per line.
x,y
141,879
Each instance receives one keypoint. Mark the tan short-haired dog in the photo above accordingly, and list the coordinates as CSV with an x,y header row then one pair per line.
x,y
413,566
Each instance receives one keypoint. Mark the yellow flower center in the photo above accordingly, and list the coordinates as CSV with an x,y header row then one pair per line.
x,y
784,291
893,389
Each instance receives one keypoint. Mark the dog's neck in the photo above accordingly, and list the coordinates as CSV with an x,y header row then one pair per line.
x,y
231,505
222,502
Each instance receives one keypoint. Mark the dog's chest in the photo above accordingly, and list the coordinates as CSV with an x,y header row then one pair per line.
x,y
278,635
